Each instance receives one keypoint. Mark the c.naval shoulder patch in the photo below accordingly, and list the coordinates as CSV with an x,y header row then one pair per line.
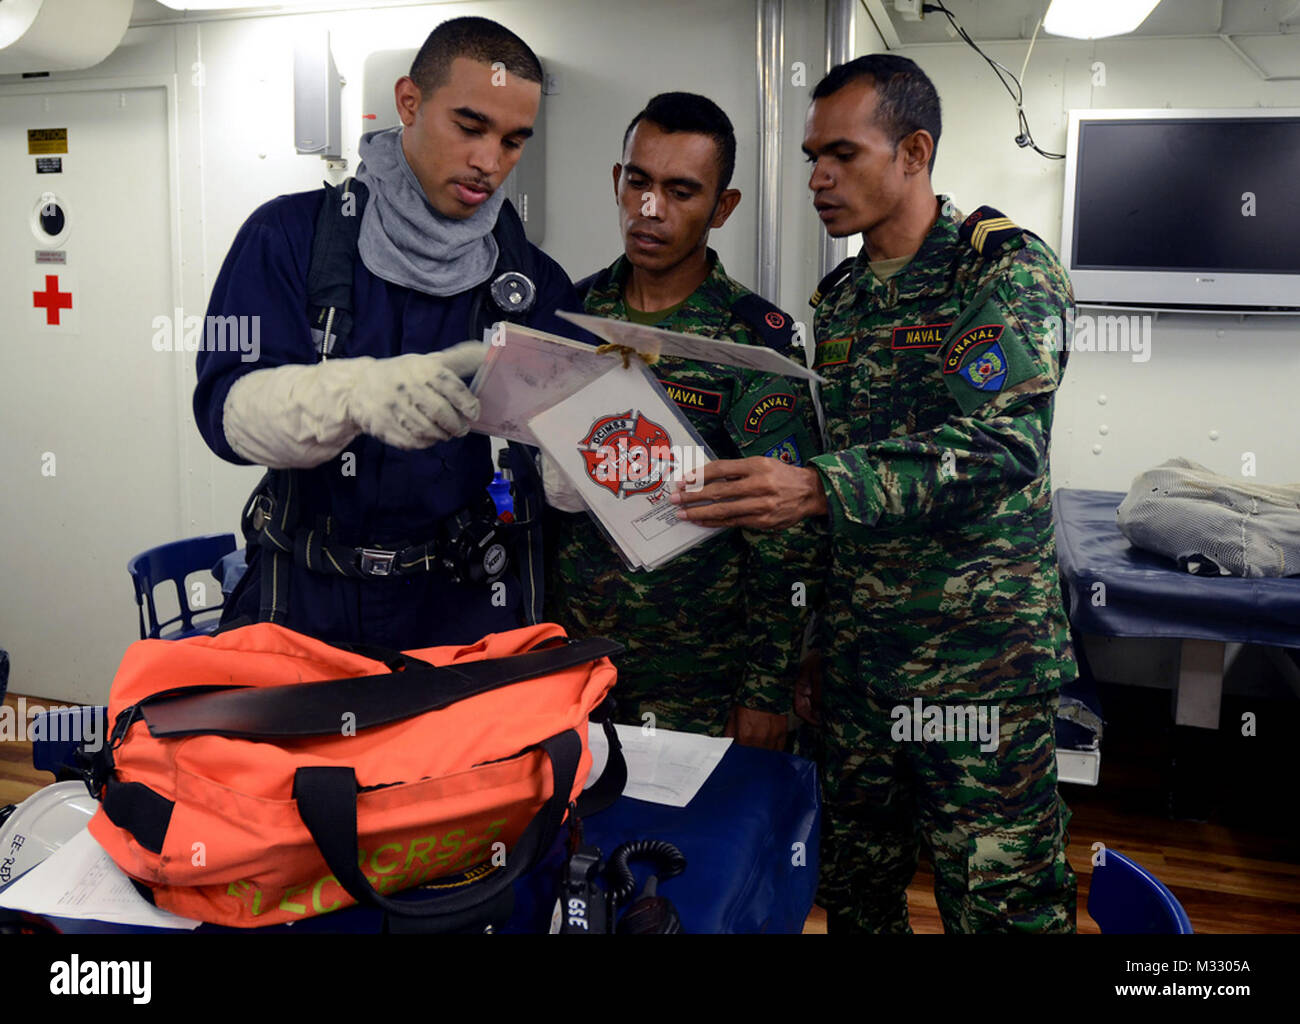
x,y
967,342
984,355
766,405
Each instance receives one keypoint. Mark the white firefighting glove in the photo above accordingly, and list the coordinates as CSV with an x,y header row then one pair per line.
x,y
559,492
298,416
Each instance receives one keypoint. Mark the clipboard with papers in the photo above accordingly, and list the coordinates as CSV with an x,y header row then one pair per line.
x,y
604,419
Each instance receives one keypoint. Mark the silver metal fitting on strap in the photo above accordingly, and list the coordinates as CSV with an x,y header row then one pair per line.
x,y
376,561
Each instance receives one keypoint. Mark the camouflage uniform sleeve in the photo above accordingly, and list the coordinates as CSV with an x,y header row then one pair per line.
x,y
1001,366
782,581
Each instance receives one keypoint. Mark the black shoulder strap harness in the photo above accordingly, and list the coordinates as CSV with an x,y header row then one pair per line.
x,y
271,517
772,324
329,275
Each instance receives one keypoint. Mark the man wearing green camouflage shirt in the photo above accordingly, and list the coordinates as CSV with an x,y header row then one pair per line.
x,y
713,638
945,641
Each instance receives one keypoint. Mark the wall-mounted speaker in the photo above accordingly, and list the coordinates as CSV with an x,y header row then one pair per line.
x,y
317,95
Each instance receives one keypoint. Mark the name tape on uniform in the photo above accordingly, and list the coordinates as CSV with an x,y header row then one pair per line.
x,y
693,398
919,336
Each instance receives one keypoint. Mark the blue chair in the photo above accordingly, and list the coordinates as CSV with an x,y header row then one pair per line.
x,y
1126,899
174,562
64,732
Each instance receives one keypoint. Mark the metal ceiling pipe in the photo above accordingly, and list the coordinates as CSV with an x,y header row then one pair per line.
x,y
839,50
771,60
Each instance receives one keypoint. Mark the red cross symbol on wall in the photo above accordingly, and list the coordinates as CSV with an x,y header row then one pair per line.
x,y
52,300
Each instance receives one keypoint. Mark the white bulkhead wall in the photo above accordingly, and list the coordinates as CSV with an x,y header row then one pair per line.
x,y
228,119
1216,388
228,116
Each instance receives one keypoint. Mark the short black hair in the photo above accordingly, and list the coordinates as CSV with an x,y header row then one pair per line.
x,y
479,39
687,112
907,100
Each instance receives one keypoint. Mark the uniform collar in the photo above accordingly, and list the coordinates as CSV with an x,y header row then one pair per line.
x,y
929,273
708,302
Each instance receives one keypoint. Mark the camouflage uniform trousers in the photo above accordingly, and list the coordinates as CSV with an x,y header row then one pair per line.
x,y
993,821
683,693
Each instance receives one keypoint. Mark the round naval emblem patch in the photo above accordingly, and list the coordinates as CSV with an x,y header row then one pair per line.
x,y
988,370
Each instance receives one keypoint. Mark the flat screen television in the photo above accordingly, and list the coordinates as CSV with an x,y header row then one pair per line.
x,y
1184,209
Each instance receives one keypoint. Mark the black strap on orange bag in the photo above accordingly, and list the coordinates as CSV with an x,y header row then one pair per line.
x,y
312,709
327,801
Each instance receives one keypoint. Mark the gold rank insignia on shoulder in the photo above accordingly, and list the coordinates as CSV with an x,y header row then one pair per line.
x,y
831,280
988,230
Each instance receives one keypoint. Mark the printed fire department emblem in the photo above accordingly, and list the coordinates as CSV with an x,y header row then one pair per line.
x,y
628,454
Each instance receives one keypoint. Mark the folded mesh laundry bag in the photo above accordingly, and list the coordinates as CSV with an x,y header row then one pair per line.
x,y
1212,524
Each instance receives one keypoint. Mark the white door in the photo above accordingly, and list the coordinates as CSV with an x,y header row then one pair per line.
x,y
89,410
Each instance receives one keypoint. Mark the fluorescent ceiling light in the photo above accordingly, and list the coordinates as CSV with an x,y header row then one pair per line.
x,y
1092,19
229,5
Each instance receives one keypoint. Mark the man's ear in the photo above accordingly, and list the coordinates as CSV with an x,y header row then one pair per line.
x,y
917,149
408,98
618,173
722,208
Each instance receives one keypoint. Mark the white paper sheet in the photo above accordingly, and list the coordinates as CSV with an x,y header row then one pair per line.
x,y
656,341
529,371
80,880
663,767
620,443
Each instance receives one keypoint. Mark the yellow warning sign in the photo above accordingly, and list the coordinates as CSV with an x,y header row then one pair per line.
x,y
44,141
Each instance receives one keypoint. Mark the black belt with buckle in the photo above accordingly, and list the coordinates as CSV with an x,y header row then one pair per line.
x,y
471,546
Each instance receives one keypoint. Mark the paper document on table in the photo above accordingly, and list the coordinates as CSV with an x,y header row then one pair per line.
x,y
621,443
526,371
654,341
80,880
664,767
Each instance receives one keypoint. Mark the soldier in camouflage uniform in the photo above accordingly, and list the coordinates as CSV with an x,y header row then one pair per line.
x,y
940,375
719,629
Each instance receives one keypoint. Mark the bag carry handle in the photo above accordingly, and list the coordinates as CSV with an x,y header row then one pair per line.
x,y
613,777
327,802
316,709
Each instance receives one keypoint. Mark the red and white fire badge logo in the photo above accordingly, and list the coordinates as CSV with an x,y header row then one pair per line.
x,y
628,454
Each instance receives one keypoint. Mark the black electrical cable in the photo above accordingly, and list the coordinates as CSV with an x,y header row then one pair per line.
x,y
1026,137
670,861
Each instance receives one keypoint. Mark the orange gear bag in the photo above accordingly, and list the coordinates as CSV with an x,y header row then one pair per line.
x,y
259,775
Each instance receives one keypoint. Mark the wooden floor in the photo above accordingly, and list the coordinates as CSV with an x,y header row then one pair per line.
x,y
1227,880
1237,872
